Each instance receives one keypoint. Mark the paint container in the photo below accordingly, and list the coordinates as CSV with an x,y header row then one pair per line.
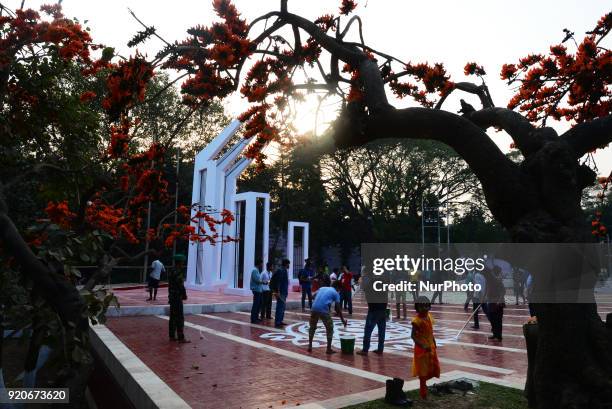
x,y
347,344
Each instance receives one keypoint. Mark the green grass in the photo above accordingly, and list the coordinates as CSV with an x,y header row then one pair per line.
x,y
486,396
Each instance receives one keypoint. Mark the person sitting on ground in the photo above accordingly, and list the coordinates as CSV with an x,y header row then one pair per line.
x,y
425,364
157,267
321,310
176,295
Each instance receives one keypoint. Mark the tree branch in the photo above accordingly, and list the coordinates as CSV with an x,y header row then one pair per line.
x,y
588,136
525,136
480,90
506,195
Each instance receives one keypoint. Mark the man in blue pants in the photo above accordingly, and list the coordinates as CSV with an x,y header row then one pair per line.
x,y
305,277
256,287
280,287
377,317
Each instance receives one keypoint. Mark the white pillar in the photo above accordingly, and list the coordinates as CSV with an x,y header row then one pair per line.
x,y
250,233
266,228
291,239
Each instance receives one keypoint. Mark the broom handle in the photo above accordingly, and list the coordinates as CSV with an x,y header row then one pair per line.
x,y
468,320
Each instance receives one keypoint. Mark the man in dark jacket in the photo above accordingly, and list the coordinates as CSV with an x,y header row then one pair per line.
x,y
495,302
305,277
280,289
176,295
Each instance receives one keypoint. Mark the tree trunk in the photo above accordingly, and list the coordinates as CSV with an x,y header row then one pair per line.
x,y
572,365
570,360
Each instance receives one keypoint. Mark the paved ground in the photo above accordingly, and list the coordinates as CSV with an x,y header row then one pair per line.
x,y
137,297
234,364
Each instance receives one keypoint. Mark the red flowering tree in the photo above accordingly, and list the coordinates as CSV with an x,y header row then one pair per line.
x,y
537,200
74,185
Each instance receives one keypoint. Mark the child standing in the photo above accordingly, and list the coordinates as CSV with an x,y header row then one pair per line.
x,y
425,363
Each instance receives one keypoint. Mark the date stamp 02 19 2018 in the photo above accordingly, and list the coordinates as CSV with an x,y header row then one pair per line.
x,y
34,395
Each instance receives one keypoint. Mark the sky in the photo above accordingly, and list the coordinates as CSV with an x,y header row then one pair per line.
x,y
489,32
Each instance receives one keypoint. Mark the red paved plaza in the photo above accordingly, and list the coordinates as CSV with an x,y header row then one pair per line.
x,y
232,363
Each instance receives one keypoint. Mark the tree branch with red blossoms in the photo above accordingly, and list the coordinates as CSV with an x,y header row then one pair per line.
x,y
565,85
214,57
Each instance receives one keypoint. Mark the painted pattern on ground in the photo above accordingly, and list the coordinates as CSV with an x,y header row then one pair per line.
x,y
397,335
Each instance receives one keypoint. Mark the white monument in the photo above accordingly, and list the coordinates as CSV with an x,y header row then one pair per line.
x,y
226,267
297,254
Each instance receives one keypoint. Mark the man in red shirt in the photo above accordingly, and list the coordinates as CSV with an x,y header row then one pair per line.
x,y
346,297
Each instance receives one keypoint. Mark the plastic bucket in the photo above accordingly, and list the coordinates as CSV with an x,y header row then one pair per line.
x,y
347,344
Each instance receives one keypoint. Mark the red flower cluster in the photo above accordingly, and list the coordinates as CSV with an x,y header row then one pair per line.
x,y
576,87
326,22
311,51
26,32
104,217
472,68
228,12
434,79
60,214
126,84
87,96
598,228
213,51
188,231
120,139
347,7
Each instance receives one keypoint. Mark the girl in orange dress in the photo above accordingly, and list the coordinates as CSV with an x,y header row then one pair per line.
x,y
425,363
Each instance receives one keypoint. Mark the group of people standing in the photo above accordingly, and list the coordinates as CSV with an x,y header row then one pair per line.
x,y
425,363
310,281
267,285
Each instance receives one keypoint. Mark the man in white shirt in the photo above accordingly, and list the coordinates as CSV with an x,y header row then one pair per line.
x,y
479,296
153,280
334,275
266,304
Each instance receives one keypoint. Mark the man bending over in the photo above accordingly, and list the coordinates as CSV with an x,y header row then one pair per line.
x,y
324,297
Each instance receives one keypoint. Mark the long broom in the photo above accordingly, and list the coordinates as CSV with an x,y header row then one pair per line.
x,y
468,321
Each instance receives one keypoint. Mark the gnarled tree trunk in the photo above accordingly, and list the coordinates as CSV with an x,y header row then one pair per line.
x,y
537,201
